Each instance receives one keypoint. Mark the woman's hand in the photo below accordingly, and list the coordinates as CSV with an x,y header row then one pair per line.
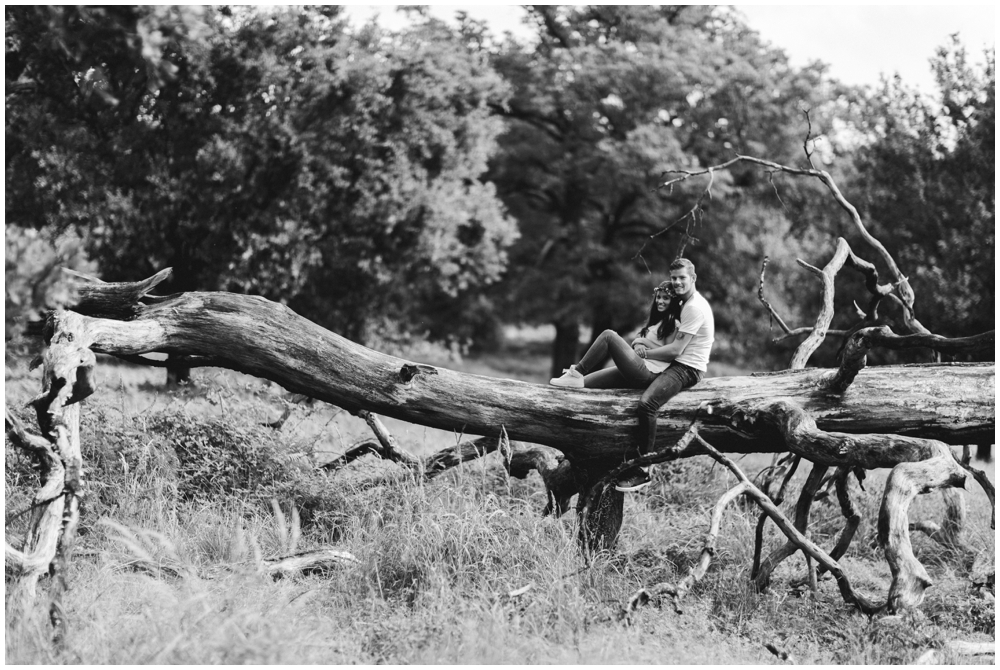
x,y
639,349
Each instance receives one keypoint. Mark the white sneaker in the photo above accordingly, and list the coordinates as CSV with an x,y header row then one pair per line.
x,y
571,379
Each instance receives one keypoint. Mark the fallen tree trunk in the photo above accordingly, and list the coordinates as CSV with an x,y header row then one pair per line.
x,y
953,403
886,418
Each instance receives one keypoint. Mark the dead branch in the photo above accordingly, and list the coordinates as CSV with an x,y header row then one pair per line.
x,y
905,482
785,464
678,591
67,378
559,483
390,448
112,300
856,349
760,296
851,516
278,423
803,505
987,487
557,474
746,487
807,546
352,454
899,281
774,316
692,217
464,451
960,648
805,142
918,466
307,562
39,545
852,521
841,257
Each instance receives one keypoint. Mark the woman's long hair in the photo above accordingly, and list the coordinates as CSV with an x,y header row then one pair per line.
x,y
667,319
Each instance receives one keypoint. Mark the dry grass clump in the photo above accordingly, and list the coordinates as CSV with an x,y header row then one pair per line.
x,y
188,492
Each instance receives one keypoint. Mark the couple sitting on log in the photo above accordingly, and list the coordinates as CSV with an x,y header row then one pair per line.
x,y
669,355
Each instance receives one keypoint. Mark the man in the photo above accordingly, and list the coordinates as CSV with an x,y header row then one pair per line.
x,y
687,356
662,364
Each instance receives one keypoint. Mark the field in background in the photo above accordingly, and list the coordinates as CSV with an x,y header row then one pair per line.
x,y
459,570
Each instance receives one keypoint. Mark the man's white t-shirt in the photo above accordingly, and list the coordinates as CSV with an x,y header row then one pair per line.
x,y
697,320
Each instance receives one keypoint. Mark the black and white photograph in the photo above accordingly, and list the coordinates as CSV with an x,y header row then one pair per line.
x,y
500,334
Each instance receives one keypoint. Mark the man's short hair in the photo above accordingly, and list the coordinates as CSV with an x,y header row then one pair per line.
x,y
683,264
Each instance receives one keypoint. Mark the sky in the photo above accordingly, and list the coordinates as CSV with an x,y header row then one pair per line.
x,y
858,42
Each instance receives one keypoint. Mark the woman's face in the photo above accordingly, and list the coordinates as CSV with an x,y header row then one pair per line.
x,y
662,301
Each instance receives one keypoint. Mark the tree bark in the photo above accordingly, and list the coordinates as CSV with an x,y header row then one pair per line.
x,y
268,340
178,371
67,378
802,508
883,419
564,346
601,510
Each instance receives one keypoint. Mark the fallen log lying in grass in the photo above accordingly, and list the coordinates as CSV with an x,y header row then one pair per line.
x,y
953,403
893,417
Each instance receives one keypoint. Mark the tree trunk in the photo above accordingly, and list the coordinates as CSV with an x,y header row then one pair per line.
x,y
178,371
600,524
881,418
600,322
565,346
253,335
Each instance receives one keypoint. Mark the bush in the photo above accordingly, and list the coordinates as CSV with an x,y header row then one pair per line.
x,y
146,466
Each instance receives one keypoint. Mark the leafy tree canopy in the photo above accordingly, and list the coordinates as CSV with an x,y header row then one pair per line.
x,y
606,100
927,183
269,152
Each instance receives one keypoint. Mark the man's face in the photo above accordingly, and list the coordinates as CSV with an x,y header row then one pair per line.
x,y
683,282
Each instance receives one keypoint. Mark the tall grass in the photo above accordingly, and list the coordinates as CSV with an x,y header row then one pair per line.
x,y
462,569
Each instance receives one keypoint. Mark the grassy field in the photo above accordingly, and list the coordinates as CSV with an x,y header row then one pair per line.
x,y
462,569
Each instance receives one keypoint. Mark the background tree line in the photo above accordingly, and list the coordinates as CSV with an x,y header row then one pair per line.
x,y
439,181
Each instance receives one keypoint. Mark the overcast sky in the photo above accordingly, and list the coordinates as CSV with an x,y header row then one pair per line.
x,y
858,42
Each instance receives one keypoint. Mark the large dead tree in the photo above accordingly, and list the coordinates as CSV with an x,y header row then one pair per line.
x,y
887,417
851,418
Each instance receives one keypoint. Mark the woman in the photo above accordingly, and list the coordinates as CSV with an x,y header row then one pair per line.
x,y
631,368
650,362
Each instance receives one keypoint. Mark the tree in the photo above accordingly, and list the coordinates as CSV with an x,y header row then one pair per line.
x,y
282,155
797,410
850,418
34,282
607,99
64,62
927,184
